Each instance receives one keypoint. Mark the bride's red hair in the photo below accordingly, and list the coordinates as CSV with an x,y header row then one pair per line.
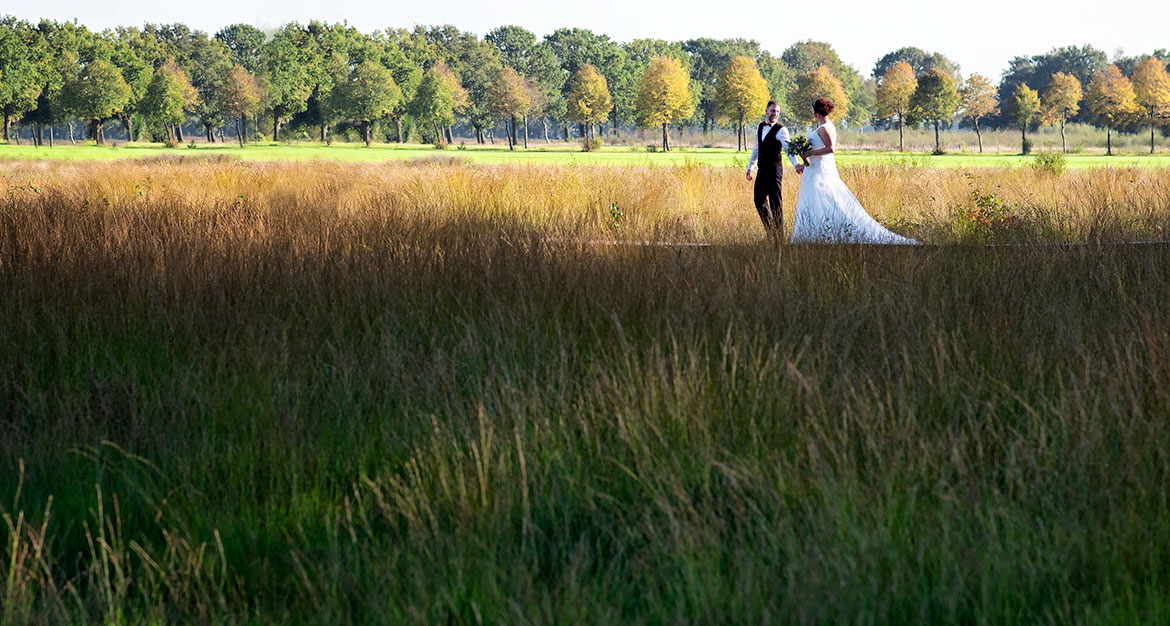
x,y
823,106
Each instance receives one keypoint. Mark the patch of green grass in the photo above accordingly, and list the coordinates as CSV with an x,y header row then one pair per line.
x,y
556,154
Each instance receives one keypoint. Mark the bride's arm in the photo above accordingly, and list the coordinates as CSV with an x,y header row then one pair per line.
x,y
829,141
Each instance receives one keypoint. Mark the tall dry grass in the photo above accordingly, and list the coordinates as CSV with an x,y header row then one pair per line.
x,y
408,394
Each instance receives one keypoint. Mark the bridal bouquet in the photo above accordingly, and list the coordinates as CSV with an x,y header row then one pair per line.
x,y
798,145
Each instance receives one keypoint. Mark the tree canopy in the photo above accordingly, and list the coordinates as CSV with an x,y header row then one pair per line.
x,y
741,91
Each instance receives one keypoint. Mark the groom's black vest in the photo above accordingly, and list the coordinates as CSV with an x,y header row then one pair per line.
x,y
771,150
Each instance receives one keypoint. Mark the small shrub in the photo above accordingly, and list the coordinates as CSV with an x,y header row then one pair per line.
x,y
461,146
590,145
191,144
440,145
988,215
652,148
1052,162
616,215
1026,146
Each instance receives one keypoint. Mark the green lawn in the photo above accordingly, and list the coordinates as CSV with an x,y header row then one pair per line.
x,y
557,154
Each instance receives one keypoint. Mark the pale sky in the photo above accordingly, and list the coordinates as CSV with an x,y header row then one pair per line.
x,y
981,36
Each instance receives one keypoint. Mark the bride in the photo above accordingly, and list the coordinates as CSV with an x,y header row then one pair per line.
x,y
826,211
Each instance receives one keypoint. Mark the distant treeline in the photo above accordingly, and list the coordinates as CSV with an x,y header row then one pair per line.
x,y
436,83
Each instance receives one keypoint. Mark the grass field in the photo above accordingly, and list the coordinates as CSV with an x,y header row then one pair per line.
x,y
237,392
539,154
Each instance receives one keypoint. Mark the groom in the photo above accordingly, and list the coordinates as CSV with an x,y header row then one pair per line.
x,y
771,144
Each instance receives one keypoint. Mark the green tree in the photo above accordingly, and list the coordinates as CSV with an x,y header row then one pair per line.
x,y
286,78
589,99
805,57
1024,107
209,66
896,87
1061,100
61,43
918,59
1110,101
819,83
511,98
781,81
169,98
245,44
240,98
435,100
96,94
21,49
935,101
977,101
369,93
127,54
664,96
576,47
740,91
709,58
520,50
1035,71
1151,88
406,72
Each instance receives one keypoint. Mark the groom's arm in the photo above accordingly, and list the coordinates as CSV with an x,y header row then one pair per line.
x,y
755,155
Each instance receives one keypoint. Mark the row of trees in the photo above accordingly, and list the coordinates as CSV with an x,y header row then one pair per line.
x,y
430,80
163,78
1113,100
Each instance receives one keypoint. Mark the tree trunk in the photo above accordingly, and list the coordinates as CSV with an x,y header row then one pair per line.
x,y
50,134
275,126
1108,141
979,135
179,132
508,133
901,136
1063,143
128,122
1151,132
93,132
72,141
367,126
7,125
450,134
740,136
525,119
208,131
324,132
544,126
398,125
665,139
38,135
240,131
936,144
1023,140
243,130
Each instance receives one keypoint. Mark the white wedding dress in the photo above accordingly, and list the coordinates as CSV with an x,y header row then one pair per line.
x,y
827,212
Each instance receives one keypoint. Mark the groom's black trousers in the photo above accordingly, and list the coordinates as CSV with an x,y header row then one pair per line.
x,y
767,197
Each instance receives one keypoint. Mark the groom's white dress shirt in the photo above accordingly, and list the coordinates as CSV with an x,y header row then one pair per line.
x,y
784,137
